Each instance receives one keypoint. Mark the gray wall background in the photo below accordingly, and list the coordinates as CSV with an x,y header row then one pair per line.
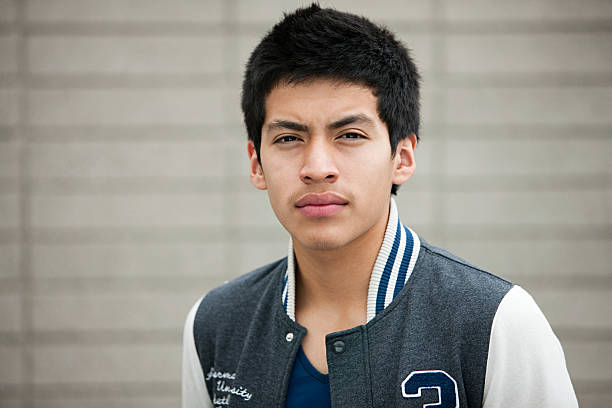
x,y
124,192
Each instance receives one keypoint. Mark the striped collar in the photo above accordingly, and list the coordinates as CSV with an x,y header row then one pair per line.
x,y
394,264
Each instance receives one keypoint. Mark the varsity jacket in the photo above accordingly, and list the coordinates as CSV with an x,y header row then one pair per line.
x,y
439,332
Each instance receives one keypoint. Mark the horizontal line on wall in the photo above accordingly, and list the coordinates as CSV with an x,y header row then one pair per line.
x,y
173,336
9,28
135,185
128,234
583,334
493,133
120,284
172,284
91,390
437,183
10,236
592,387
8,338
497,26
176,235
162,389
109,337
152,284
8,133
509,232
11,286
235,132
150,132
9,185
149,185
187,80
10,80
231,80
563,282
130,28
94,337
116,285
477,183
173,235
196,29
148,390
522,80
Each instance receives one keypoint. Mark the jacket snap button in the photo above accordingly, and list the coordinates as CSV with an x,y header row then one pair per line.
x,y
339,346
289,337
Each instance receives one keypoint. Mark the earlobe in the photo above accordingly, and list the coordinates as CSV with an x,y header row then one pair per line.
x,y
256,171
404,159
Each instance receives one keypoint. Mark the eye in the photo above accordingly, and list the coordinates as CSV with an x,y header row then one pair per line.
x,y
286,139
352,136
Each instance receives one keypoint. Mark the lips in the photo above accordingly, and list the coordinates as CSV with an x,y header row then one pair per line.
x,y
320,199
321,205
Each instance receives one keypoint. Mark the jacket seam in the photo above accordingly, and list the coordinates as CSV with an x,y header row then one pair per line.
x,y
365,343
467,265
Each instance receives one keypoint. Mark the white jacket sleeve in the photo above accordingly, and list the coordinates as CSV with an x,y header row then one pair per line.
x,y
193,390
526,365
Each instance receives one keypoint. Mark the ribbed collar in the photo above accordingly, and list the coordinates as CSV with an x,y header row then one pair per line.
x,y
394,264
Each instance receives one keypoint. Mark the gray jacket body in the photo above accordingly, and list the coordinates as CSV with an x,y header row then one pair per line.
x,y
428,345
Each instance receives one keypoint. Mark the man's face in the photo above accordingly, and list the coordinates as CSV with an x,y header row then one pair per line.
x,y
326,162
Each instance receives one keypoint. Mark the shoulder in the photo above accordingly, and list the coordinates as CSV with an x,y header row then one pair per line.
x,y
526,364
242,293
224,312
518,310
468,296
453,273
519,322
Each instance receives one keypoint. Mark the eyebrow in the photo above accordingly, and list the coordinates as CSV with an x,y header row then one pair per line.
x,y
349,120
286,124
299,127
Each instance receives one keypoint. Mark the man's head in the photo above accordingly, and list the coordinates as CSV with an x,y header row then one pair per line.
x,y
331,106
320,43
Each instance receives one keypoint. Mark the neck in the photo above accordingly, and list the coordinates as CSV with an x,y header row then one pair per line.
x,y
338,279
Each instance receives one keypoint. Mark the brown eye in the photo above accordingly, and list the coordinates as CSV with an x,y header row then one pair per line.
x,y
286,139
352,135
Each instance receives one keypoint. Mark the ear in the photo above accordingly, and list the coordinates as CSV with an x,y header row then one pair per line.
x,y
257,177
404,164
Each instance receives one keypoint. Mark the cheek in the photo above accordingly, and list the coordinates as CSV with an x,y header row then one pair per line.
x,y
280,180
372,169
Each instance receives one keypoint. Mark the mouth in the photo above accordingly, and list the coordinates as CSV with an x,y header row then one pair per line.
x,y
321,205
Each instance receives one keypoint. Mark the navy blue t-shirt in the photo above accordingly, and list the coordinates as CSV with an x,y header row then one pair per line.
x,y
307,387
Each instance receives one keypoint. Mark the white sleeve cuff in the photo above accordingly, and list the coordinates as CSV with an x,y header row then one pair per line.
x,y
193,387
526,365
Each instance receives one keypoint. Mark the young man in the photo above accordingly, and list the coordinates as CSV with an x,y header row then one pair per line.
x,y
362,312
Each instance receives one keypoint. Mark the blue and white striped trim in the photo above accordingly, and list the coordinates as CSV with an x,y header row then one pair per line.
x,y
394,264
289,284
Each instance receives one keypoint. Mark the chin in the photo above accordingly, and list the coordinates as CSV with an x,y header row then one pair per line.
x,y
321,240
321,245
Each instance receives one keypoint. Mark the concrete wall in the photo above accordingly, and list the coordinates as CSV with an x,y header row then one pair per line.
x,y
124,192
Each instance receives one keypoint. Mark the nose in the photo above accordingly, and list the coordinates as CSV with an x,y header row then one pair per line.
x,y
318,163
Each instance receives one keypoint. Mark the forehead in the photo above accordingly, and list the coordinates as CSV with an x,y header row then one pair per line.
x,y
319,99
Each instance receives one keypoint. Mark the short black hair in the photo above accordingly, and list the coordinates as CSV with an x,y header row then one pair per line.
x,y
315,42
